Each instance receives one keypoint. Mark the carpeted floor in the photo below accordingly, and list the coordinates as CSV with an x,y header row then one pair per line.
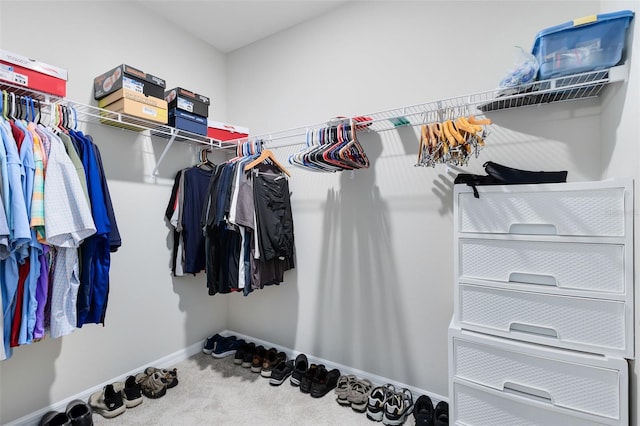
x,y
218,392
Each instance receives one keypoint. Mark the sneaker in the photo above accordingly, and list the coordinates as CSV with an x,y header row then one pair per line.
x,y
299,369
79,413
248,355
377,400
227,347
258,359
153,385
107,402
281,372
324,382
358,395
171,376
54,418
309,375
271,360
344,383
130,390
242,351
210,343
423,411
397,408
441,414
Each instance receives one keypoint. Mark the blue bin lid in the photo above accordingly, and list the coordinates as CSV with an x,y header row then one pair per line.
x,y
582,22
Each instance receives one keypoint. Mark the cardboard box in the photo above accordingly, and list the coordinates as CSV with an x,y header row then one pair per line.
x,y
36,75
190,122
134,96
134,109
187,101
225,132
127,77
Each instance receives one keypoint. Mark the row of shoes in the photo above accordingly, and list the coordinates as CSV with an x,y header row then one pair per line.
x,y
115,398
392,406
314,379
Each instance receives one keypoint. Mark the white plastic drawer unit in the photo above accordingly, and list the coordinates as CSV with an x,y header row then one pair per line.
x,y
598,209
599,268
588,384
477,406
591,325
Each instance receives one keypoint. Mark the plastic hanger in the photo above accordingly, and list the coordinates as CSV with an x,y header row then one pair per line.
x,y
266,155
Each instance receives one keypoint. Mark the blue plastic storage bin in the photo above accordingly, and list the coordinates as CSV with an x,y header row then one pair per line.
x,y
582,45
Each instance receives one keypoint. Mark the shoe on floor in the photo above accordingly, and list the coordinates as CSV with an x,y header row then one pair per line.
x,y
324,382
249,354
342,388
281,372
131,392
271,360
79,413
423,412
358,395
309,375
258,359
227,347
243,351
210,343
54,418
441,414
397,408
107,402
170,376
300,367
153,385
377,400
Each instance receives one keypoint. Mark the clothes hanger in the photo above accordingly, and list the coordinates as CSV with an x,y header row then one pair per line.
x,y
266,155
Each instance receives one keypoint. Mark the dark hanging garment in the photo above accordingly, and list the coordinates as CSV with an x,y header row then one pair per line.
x,y
196,182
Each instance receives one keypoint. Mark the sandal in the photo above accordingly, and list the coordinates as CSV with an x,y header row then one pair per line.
x,y
358,395
171,376
154,385
342,389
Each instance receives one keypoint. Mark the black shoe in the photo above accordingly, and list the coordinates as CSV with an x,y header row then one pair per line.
x,y
324,382
423,411
307,378
53,418
299,369
441,414
79,413
249,352
280,373
210,343
271,361
240,353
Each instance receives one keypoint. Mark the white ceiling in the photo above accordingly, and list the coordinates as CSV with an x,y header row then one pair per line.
x,y
229,25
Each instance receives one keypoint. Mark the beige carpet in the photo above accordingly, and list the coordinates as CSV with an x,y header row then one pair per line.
x,y
218,392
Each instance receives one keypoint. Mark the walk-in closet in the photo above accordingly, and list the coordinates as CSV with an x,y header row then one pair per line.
x,y
380,266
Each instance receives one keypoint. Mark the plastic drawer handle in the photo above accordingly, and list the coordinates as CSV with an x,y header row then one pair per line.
x,y
533,329
527,392
533,229
527,278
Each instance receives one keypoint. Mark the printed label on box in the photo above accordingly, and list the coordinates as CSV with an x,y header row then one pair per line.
x,y
149,111
7,73
131,84
185,104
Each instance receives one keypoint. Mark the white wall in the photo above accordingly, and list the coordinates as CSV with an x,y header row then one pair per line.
x,y
150,315
373,285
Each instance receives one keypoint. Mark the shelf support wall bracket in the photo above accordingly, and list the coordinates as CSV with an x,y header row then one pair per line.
x,y
164,152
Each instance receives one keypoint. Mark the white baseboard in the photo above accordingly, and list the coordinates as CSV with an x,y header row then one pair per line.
x,y
181,355
164,362
344,369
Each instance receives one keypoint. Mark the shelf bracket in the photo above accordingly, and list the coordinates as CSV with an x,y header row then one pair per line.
x,y
166,149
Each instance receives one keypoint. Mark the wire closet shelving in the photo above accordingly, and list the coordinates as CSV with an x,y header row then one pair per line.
x,y
561,89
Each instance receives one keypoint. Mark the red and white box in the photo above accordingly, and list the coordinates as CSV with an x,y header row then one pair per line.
x,y
225,132
23,71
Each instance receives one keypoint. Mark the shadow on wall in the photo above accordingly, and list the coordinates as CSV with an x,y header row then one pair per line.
x,y
359,311
29,364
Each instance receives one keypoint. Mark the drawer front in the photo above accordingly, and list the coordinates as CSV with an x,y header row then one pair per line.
x,y
532,372
591,267
473,406
592,325
589,212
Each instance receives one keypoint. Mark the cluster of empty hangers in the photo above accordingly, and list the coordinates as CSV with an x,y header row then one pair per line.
x,y
332,148
452,140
